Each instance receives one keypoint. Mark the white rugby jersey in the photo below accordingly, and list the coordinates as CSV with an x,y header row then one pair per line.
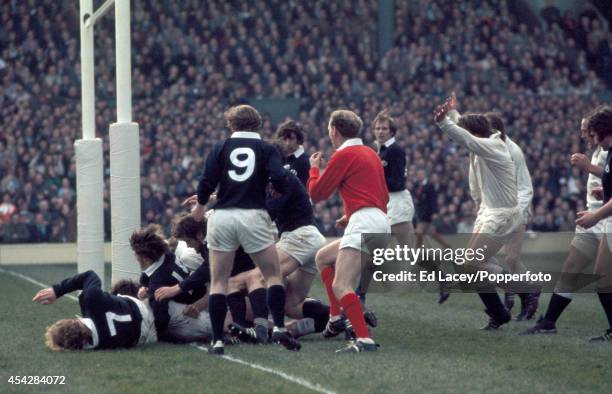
x,y
492,170
598,159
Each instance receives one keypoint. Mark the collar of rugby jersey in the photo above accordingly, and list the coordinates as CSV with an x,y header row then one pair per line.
x,y
94,333
496,134
153,267
350,142
299,152
389,142
246,134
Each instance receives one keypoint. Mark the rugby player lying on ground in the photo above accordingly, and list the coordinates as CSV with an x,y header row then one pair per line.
x,y
107,321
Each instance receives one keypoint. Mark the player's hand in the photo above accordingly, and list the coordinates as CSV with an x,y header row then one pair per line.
x,y
190,201
342,222
586,219
163,293
191,311
580,161
441,111
142,293
199,212
212,199
315,160
597,192
452,102
45,296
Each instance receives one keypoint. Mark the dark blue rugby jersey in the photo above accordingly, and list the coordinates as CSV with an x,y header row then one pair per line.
x,y
606,178
292,209
298,164
394,162
241,166
168,273
116,319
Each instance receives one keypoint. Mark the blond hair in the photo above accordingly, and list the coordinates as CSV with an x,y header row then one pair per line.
x,y
67,334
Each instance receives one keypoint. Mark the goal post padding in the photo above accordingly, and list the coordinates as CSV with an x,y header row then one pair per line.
x,y
90,195
125,197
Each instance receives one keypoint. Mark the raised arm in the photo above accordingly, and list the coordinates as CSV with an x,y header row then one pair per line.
x,y
484,147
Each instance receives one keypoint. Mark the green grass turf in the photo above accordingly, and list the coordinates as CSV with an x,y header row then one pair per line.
x,y
425,348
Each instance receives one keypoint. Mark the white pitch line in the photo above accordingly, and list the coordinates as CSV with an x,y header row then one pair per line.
x,y
33,281
293,379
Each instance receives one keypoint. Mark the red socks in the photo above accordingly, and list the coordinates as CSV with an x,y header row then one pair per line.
x,y
327,276
350,303
352,309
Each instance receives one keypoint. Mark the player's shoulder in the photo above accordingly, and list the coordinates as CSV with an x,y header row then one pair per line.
x,y
91,297
396,150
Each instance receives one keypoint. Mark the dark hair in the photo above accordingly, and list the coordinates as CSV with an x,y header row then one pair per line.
x,y
476,124
148,242
126,287
600,121
242,118
347,123
186,226
384,116
290,128
496,122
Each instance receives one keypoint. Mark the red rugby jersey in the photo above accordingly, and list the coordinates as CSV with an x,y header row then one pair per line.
x,y
356,171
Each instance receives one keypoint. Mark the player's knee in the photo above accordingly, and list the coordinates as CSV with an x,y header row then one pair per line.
x,y
321,261
340,289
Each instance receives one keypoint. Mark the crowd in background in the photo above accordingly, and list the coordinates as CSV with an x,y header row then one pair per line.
x,y
192,59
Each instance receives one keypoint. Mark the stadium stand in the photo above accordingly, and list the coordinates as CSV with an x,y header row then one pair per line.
x,y
191,60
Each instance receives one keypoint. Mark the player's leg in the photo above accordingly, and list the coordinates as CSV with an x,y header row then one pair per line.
x,y
257,239
348,269
574,265
235,298
254,285
288,264
257,294
486,291
220,269
188,329
603,268
529,301
298,285
326,264
267,261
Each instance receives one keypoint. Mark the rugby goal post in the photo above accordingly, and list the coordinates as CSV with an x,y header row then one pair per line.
x,y
124,154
